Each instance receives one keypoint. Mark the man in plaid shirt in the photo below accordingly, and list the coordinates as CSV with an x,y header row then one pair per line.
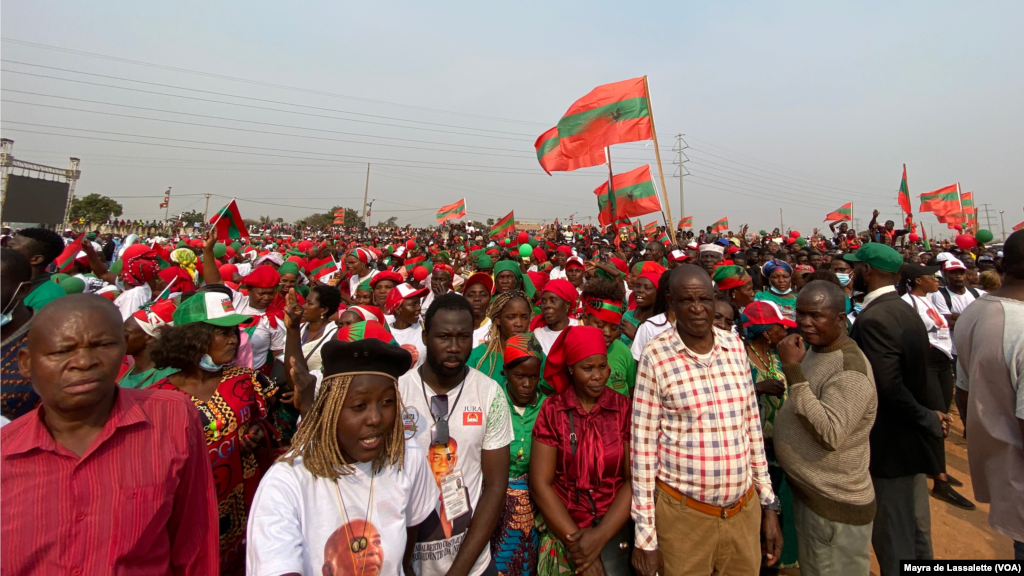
x,y
698,462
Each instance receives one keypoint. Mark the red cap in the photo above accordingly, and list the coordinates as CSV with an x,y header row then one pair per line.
x,y
762,312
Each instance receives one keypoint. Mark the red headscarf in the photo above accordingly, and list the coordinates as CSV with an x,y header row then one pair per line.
x,y
605,310
181,278
262,277
139,265
574,344
561,288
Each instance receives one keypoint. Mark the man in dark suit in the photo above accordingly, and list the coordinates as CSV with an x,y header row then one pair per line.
x,y
908,427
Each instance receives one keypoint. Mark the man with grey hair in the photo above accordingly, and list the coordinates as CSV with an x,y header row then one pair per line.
x,y
822,435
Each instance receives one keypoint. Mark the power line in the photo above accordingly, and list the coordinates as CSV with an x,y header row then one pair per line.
x,y
264,100
260,83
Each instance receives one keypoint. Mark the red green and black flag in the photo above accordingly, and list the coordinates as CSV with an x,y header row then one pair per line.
x,y
229,223
324,270
411,263
942,201
633,195
685,222
451,211
551,157
609,114
504,226
66,260
651,229
904,195
721,226
843,214
967,204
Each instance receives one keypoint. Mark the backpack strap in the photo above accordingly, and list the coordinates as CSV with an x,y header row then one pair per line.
x,y
949,301
973,292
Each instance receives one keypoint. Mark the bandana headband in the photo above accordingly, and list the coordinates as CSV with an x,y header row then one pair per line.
x,y
604,310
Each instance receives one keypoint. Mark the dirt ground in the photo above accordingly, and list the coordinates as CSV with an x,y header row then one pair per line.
x,y
956,533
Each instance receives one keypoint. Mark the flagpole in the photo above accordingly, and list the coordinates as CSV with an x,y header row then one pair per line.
x,y
221,213
611,189
657,151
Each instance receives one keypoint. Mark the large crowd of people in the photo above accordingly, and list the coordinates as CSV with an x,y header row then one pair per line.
x,y
435,401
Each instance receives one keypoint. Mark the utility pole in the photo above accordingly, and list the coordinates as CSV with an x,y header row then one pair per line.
x,y
988,218
681,171
366,192
207,209
782,225
1002,225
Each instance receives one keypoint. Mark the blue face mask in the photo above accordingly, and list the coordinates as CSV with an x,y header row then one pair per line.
x,y
780,292
8,315
206,363
857,308
844,279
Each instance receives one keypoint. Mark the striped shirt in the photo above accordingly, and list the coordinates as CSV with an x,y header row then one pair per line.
x,y
139,501
695,427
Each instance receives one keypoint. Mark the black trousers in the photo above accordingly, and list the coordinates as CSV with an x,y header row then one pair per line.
x,y
940,372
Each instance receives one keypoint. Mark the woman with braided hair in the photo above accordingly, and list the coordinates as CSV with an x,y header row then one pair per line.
x,y
510,314
343,500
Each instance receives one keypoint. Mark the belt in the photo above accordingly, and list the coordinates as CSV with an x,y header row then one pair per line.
x,y
711,510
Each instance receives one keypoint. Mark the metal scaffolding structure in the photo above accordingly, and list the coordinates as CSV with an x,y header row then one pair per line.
x,y
8,164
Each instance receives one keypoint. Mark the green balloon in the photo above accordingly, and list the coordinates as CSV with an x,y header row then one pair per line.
x,y
532,242
219,250
526,250
763,232
115,268
983,236
801,241
72,285
58,278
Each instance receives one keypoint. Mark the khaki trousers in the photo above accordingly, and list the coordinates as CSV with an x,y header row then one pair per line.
x,y
696,544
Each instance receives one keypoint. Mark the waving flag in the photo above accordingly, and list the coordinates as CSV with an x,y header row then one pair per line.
x,y
942,201
504,226
685,222
66,260
633,195
651,229
721,226
551,157
904,195
843,214
229,223
451,211
609,114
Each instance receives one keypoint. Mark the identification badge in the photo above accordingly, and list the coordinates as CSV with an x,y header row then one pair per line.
x,y
453,495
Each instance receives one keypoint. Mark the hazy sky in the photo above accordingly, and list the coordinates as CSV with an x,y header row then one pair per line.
x,y
798,106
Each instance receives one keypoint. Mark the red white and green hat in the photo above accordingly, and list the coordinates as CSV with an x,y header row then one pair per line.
x,y
210,307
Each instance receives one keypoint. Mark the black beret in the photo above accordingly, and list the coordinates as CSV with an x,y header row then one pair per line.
x,y
368,355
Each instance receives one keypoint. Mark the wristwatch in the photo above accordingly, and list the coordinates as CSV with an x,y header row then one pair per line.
x,y
774,506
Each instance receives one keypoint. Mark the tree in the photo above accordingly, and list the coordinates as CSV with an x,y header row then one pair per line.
x,y
326,219
94,208
390,222
192,217
490,221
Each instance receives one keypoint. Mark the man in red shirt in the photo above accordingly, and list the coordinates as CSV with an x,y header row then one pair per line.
x,y
97,479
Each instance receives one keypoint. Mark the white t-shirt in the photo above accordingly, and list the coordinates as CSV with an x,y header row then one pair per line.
x,y
411,340
646,332
263,337
354,281
244,269
557,273
959,302
939,335
296,523
546,336
479,420
311,350
480,334
131,300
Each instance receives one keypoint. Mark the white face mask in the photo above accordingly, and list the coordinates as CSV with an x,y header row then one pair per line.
x,y
8,315
206,363
844,279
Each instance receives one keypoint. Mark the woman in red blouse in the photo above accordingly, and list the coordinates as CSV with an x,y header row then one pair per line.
x,y
579,465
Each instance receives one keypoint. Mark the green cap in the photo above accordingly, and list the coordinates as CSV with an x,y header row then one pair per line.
x,y
484,262
289,267
210,307
72,285
878,256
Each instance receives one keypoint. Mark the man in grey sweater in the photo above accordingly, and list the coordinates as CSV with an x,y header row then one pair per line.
x,y
822,436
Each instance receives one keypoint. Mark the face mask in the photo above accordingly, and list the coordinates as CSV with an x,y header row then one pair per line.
x,y
206,363
844,279
857,308
8,315
780,292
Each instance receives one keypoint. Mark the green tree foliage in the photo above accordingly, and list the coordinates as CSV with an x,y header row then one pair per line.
x,y
391,222
94,208
191,217
326,219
